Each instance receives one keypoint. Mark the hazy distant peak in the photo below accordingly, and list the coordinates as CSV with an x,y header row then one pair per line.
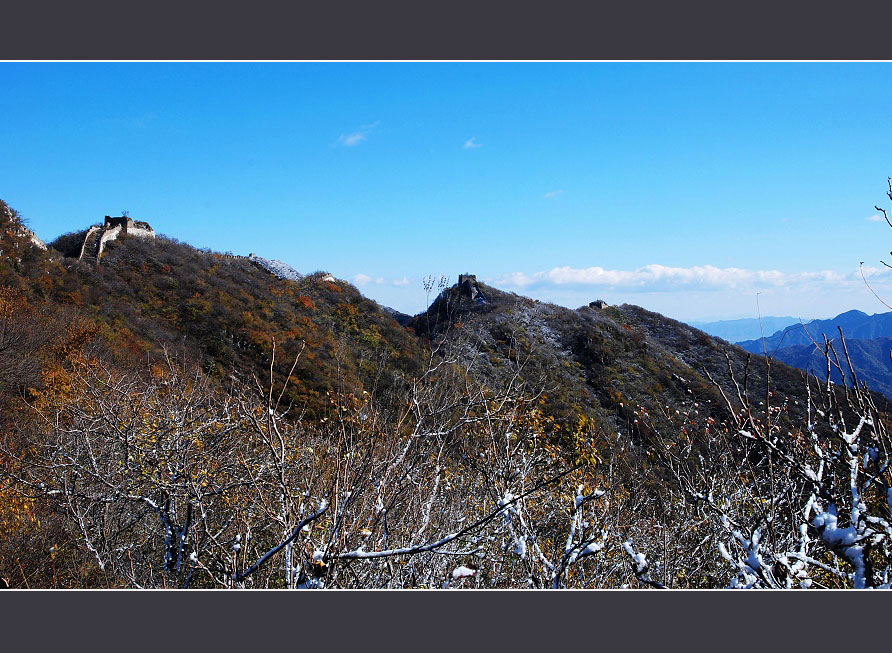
x,y
746,328
854,324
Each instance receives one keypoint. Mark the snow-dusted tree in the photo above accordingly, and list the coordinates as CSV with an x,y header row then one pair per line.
x,y
171,481
795,503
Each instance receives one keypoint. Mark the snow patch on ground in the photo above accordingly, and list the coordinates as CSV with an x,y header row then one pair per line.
x,y
462,572
277,268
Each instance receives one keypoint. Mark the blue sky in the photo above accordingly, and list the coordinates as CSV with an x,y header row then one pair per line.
x,y
684,188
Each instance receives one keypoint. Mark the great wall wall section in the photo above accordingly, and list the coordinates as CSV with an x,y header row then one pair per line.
x,y
10,217
97,237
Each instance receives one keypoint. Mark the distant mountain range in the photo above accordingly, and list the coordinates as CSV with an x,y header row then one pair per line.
x,y
870,358
854,324
868,340
746,328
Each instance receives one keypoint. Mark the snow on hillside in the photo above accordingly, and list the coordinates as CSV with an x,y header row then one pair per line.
x,y
278,268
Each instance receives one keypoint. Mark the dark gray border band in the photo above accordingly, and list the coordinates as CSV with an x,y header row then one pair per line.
x,y
412,29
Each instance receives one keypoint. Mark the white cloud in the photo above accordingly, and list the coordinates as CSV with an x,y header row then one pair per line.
x,y
875,218
361,279
871,272
471,144
379,280
401,282
355,138
349,140
552,193
661,278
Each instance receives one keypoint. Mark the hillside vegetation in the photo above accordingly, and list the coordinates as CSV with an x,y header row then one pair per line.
x,y
147,296
174,417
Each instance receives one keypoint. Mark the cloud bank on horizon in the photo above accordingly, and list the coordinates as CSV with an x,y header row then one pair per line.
x,y
662,278
702,292
361,280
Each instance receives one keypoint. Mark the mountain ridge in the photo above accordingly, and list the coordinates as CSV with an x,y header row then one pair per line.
x,y
492,419
595,360
854,323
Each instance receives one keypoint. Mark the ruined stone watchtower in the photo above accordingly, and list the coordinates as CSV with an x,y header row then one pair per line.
x,y
97,237
129,226
467,283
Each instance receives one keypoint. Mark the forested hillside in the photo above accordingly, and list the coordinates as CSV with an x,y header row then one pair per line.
x,y
148,296
173,417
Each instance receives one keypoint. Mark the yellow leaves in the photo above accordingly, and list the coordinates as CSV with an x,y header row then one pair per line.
x,y
57,388
16,511
74,338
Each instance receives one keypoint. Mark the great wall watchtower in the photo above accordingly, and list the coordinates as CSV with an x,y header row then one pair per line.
x,y
467,283
97,237
130,227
